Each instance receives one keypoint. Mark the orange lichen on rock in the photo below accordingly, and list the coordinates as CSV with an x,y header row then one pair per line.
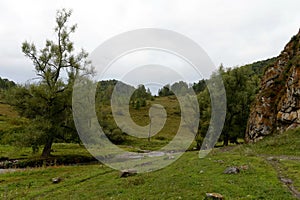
x,y
277,105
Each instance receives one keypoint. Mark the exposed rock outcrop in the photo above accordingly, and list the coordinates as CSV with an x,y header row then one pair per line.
x,y
277,105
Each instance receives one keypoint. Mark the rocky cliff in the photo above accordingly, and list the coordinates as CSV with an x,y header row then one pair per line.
x,y
277,105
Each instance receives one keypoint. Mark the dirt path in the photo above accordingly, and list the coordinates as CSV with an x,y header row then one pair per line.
x,y
274,162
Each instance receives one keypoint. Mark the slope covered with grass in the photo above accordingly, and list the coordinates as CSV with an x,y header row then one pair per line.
x,y
262,166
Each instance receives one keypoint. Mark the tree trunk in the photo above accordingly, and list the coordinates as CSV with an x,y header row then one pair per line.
x,y
47,148
226,139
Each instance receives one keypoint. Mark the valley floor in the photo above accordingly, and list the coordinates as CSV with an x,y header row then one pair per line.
x,y
268,170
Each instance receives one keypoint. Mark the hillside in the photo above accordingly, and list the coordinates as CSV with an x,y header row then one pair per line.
x,y
264,174
277,105
259,67
6,84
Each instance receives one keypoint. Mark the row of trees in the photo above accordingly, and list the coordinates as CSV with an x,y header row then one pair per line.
x,y
241,85
138,98
6,84
47,103
181,87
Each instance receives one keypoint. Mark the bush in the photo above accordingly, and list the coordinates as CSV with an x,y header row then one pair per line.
x,y
199,140
137,105
116,136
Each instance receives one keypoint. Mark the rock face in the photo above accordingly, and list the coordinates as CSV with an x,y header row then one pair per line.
x,y
277,105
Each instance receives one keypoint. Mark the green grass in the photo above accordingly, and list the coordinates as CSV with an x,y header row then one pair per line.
x,y
6,110
10,124
141,117
12,152
291,168
187,178
60,149
287,143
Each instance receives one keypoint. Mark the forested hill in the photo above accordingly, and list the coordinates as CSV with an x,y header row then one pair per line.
x,y
259,67
241,85
6,84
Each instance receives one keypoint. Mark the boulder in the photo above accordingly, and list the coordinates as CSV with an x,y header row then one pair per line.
x,y
127,172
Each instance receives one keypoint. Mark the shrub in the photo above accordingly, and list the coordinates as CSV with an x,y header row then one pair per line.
x,y
116,136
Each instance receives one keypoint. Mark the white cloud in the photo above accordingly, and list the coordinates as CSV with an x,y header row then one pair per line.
x,y
231,32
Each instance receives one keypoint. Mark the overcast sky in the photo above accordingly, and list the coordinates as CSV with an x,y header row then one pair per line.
x,y
231,32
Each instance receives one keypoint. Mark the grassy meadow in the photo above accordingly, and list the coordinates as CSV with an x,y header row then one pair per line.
x,y
262,165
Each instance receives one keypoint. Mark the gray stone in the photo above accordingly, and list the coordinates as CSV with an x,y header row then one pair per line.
x,y
213,196
56,180
286,181
231,170
127,172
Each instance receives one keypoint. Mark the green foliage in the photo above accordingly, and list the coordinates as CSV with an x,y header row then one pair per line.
x,y
240,91
180,88
47,103
258,68
200,86
165,91
105,90
137,104
205,115
241,85
139,97
6,84
116,136
141,93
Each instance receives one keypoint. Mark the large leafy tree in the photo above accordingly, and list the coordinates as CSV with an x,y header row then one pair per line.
x,y
47,102
241,85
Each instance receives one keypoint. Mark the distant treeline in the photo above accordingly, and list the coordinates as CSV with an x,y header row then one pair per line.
x,y
6,84
241,85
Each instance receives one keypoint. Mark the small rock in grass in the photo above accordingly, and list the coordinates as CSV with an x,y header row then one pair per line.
x,y
127,172
286,181
244,167
231,170
213,196
56,180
